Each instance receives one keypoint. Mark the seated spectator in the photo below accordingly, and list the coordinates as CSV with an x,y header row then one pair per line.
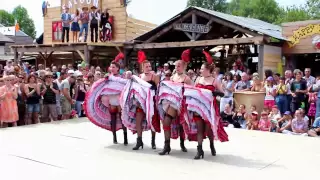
x,y
270,90
299,125
275,113
285,122
274,126
257,85
305,117
244,84
226,115
264,122
239,118
315,130
253,121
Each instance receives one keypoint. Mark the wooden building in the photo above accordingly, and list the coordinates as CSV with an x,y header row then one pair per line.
x,y
303,47
52,50
199,29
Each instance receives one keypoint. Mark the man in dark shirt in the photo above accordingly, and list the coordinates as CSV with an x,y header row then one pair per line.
x,y
49,98
298,91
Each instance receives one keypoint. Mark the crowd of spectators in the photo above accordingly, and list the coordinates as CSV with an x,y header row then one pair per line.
x,y
30,95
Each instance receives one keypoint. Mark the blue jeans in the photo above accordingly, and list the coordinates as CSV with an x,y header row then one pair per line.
x,y
79,107
318,108
282,103
85,28
33,108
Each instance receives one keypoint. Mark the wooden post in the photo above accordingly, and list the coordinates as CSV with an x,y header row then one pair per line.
x,y
194,21
15,54
87,55
260,62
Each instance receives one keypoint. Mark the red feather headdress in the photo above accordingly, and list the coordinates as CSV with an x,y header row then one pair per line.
x,y
141,57
185,56
208,57
119,57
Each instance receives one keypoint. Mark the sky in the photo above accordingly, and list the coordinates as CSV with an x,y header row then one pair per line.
x,y
154,11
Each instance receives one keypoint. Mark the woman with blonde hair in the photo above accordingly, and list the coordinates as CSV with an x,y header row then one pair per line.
x,y
257,85
8,102
170,103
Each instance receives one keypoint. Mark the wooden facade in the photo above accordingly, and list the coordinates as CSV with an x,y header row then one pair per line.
x,y
302,36
124,28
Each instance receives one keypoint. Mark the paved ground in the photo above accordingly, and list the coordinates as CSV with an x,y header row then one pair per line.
x,y
76,149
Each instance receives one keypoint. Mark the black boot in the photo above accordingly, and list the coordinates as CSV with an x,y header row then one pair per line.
x,y
166,148
213,150
183,148
113,127
125,136
153,143
139,144
200,152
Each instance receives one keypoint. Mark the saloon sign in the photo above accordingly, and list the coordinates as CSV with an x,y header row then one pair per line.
x,y
195,28
80,3
303,32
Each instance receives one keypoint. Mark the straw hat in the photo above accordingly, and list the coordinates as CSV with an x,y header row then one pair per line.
x,y
93,7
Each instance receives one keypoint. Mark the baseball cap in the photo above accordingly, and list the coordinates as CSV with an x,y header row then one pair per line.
x,y
78,74
166,64
70,71
287,113
274,121
270,78
255,113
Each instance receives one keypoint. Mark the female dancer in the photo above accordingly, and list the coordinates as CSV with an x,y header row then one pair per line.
x,y
171,116
152,79
206,81
102,105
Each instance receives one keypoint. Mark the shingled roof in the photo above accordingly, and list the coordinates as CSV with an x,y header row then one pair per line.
x,y
5,39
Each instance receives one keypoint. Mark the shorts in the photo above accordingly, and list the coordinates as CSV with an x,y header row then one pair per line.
x,y
49,109
269,103
33,108
65,106
114,100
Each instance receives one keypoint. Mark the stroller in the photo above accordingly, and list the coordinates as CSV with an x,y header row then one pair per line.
x,y
106,33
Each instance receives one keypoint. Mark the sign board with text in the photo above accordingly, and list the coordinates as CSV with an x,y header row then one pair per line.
x,y
8,31
194,28
79,4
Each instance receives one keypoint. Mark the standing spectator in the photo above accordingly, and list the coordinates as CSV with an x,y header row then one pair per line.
x,y
105,26
228,87
235,70
257,86
167,76
84,18
75,27
298,91
66,100
1,83
90,80
94,21
191,75
55,71
51,89
276,78
32,90
264,123
315,130
97,75
288,81
312,100
307,76
281,96
244,84
66,19
8,68
8,103
21,100
299,125
270,90
58,81
316,88
80,94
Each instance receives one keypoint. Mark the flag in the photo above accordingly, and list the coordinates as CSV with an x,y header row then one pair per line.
x,y
17,27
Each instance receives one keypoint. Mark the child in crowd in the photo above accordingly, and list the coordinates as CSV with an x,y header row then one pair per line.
x,y
312,109
274,126
275,113
270,90
285,122
253,121
226,115
264,123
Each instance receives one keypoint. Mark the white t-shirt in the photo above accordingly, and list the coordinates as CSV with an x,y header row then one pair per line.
x,y
238,72
269,91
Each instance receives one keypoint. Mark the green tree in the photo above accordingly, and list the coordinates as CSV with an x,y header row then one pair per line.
x,y
313,7
216,5
6,18
293,13
25,22
265,10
